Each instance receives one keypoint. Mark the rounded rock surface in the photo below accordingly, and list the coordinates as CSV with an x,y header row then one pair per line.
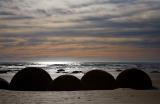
x,y
30,79
3,84
65,83
98,80
134,78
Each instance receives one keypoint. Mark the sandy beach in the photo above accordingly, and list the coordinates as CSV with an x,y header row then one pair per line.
x,y
117,96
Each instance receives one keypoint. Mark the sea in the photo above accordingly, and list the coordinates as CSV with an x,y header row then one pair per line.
x,y
75,67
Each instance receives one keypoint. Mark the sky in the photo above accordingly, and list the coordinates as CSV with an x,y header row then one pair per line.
x,y
95,29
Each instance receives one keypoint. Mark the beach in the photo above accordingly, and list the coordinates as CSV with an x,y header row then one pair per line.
x,y
79,52
117,96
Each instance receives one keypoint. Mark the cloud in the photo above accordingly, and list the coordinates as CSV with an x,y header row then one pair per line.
x,y
79,42
73,25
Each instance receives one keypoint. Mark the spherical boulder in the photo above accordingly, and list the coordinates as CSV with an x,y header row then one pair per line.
x,y
98,80
30,79
3,84
134,78
65,83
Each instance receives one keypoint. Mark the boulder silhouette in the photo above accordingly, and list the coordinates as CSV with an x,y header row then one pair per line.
x,y
98,80
65,83
3,84
60,70
76,72
134,78
30,79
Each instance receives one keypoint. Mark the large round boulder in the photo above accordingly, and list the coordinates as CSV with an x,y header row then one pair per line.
x,y
134,78
65,83
30,79
98,80
3,84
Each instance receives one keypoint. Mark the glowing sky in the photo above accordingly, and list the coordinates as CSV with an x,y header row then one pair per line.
x,y
112,29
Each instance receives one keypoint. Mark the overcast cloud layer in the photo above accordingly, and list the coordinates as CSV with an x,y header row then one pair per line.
x,y
80,28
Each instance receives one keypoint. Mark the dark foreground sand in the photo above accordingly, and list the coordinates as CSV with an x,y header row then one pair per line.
x,y
117,96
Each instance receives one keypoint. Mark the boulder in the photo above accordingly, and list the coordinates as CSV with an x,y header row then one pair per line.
x,y
3,84
98,80
60,70
134,78
30,79
65,83
76,72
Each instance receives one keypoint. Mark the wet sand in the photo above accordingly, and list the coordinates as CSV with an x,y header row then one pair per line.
x,y
117,96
